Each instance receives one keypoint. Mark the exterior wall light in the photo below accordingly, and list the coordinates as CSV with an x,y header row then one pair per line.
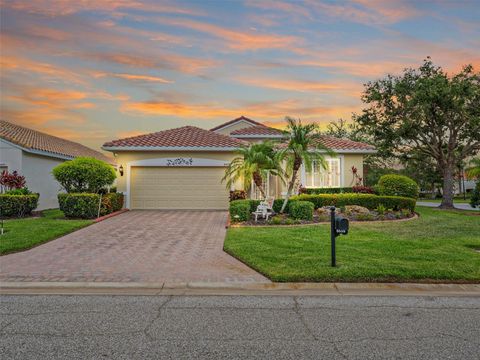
x,y
120,170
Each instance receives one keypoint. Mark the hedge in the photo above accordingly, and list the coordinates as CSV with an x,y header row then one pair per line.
x,y
85,205
18,205
369,201
397,185
79,205
240,210
111,202
302,210
339,190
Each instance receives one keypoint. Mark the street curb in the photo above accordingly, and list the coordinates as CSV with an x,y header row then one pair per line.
x,y
237,288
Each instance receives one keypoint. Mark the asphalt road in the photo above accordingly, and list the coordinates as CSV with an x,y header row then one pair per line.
x,y
460,206
233,327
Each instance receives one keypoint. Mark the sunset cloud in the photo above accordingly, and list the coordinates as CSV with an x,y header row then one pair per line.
x,y
238,40
133,77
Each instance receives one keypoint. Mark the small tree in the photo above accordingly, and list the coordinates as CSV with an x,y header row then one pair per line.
x,y
11,181
304,146
429,112
254,162
84,175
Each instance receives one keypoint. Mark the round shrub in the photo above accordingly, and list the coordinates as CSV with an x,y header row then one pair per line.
x,y
398,185
301,210
17,205
84,175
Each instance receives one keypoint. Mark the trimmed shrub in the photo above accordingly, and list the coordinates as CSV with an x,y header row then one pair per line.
x,y
398,185
84,175
369,201
340,190
80,205
301,210
240,210
17,205
111,202
475,199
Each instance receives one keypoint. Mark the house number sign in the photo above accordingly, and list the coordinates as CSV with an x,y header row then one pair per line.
x,y
180,162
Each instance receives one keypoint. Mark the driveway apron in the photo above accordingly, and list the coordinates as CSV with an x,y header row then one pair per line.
x,y
137,246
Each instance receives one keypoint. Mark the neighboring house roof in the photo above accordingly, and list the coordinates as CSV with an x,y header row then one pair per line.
x,y
345,145
258,131
231,122
342,145
37,142
183,138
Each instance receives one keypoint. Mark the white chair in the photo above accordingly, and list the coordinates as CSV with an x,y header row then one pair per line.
x,y
264,209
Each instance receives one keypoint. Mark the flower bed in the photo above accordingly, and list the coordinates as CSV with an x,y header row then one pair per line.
x,y
322,215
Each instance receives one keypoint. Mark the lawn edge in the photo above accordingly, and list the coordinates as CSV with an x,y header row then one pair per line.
x,y
46,241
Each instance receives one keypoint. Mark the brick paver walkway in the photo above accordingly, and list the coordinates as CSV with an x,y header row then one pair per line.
x,y
139,246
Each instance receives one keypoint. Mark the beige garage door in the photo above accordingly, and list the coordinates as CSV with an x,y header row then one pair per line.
x,y
178,188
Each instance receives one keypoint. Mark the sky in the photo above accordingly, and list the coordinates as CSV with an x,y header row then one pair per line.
x,y
92,71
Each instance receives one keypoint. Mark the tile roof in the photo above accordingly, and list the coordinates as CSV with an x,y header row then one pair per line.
x,y
343,144
339,144
34,140
187,136
253,122
257,130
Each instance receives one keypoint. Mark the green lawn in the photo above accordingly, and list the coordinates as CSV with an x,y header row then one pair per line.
x,y
23,234
439,246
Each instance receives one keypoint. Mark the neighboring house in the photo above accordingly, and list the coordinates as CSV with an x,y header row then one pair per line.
x,y
182,168
34,154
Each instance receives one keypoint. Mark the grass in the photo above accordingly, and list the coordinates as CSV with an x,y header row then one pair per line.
x,y
23,234
440,246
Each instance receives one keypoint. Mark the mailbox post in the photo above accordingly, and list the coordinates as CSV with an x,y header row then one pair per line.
x,y
338,226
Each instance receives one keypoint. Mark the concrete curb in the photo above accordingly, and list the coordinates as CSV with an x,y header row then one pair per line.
x,y
213,288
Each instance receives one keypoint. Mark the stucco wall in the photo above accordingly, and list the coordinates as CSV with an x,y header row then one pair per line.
x,y
349,161
37,170
11,156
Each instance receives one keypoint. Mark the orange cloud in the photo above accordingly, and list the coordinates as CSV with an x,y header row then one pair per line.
x,y
352,89
185,64
62,8
238,40
261,110
134,77
49,71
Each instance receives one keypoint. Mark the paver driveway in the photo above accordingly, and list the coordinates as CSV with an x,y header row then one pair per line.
x,y
140,246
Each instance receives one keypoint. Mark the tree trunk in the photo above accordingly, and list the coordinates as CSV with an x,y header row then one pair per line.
x,y
296,167
257,179
448,182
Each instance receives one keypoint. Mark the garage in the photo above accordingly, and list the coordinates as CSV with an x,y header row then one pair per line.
x,y
178,188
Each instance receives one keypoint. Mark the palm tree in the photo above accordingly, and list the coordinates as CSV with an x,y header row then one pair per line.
x,y
303,147
473,172
254,162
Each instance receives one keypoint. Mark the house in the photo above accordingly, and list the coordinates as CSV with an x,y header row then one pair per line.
x,y
182,168
34,154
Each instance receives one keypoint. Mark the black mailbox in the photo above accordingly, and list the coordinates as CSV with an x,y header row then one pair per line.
x,y
341,225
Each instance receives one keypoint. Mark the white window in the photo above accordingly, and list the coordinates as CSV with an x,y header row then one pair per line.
x,y
271,188
320,177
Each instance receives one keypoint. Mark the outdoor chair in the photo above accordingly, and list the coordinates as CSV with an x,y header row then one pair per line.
x,y
264,209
